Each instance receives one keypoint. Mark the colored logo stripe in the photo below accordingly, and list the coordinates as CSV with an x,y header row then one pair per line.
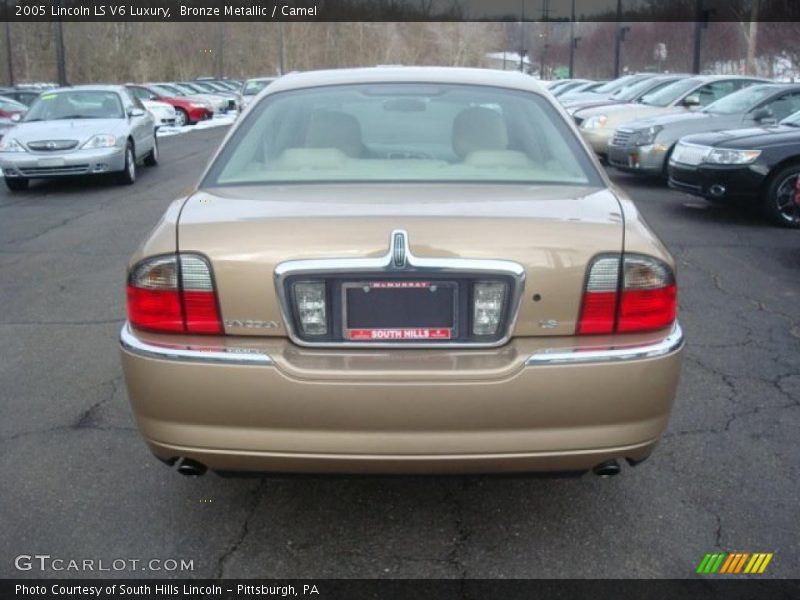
x,y
721,562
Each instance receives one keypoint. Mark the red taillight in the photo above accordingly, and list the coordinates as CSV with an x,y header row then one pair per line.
x,y
159,310
645,310
171,296
645,298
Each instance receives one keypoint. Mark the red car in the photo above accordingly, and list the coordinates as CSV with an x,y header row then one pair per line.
x,y
188,111
9,108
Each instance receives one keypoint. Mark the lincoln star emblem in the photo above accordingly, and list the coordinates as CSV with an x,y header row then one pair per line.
x,y
399,249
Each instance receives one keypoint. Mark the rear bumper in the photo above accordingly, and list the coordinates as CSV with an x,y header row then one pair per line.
x,y
528,406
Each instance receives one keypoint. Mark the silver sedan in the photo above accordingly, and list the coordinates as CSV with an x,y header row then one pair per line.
x,y
80,130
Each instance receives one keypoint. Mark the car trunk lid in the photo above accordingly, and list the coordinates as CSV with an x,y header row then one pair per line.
x,y
551,231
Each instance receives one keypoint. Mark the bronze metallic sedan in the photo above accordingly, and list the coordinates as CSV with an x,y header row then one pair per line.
x,y
402,270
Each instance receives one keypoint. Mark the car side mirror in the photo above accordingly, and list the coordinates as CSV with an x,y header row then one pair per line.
x,y
761,114
691,101
135,112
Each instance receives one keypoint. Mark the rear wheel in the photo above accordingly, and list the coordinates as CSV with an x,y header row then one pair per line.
x,y
181,117
151,160
781,203
16,184
128,175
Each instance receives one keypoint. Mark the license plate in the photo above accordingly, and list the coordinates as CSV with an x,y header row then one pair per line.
x,y
689,155
51,162
375,311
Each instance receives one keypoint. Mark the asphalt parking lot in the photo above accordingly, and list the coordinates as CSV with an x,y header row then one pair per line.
x,y
77,481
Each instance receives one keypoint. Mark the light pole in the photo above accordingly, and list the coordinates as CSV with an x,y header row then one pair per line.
x,y
618,39
573,43
220,48
522,37
9,57
60,59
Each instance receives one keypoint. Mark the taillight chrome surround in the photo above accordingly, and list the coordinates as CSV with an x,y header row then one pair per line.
x,y
627,293
174,293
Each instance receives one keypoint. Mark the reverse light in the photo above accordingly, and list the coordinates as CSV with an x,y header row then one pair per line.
x,y
101,140
487,306
310,300
11,145
644,298
175,294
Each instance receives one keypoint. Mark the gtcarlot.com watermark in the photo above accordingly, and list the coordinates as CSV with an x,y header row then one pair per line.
x,y
46,562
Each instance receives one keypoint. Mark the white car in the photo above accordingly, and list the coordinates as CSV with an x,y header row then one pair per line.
x,y
163,113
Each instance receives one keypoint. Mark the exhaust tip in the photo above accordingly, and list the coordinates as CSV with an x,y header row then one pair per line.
x,y
191,468
607,469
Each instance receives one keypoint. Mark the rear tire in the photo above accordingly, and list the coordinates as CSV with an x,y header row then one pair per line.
x,y
16,184
779,203
128,175
151,160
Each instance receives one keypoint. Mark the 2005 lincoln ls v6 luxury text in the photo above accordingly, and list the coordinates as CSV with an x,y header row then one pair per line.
x,y
402,270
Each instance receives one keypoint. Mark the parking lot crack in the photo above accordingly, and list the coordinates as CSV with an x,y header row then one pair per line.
x,y
89,418
244,531
453,498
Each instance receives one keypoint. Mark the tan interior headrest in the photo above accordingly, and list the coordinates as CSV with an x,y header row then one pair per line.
x,y
335,129
479,129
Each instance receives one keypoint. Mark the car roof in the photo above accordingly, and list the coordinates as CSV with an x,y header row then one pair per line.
x,y
452,75
87,88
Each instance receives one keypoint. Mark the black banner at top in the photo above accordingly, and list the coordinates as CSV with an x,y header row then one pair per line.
x,y
398,10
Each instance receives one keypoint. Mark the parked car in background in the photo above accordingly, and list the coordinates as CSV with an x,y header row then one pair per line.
x,y
216,89
757,166
644,146
79,130
680,97
23,96
251,87
574,84
163,112
606,90
593,122
456,286
10,108
218,103
626,95
188,111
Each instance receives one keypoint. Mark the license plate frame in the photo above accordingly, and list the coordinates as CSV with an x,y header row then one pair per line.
x,y
422,332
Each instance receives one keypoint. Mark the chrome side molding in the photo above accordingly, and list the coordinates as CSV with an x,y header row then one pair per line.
x,y
191,353
583,354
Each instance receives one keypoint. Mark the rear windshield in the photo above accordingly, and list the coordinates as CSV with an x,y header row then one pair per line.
x,y
76,105
403,132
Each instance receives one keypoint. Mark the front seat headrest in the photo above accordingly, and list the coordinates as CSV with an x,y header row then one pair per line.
x,y
479,129
335,129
